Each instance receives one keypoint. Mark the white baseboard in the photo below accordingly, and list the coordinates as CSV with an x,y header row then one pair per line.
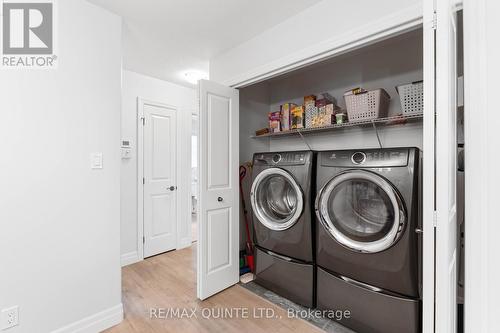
x,y
183,243
130,258
95,323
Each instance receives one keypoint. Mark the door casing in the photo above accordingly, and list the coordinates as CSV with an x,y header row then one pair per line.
x,y
481,163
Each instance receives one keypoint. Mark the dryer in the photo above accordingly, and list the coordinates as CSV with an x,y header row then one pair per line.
x,y
369,237
283,225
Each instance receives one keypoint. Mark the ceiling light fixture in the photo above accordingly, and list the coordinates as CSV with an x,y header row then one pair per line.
x,y
194,76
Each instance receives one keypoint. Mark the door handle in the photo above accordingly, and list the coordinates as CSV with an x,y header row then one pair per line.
x,y
220,199
361,284
172,188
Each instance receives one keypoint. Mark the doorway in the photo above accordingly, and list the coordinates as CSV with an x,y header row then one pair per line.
x,y
159,123
163,178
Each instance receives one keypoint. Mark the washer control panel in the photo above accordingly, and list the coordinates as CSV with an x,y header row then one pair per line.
x,y
390,157
286,158
358,157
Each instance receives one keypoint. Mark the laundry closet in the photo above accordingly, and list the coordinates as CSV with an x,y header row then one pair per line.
x,y
405,55
386,64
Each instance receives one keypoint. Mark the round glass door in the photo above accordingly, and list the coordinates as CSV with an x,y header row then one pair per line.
x,y
361,210
277,200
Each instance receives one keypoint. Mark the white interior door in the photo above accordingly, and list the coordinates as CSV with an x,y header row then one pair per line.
x,y
218,242
160,178
428,183
446,166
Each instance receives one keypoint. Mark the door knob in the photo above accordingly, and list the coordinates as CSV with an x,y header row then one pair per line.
x,y
172,188
220,199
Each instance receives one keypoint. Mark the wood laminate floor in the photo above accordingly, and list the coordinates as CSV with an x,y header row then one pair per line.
x,y
168,281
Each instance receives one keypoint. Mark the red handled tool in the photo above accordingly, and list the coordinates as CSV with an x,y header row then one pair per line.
x,y
249,245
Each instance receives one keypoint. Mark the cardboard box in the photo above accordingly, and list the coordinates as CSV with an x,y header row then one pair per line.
x,y
309,101
311,113
275,122
286,115
321,103
297,114
262,131
330,109
322,119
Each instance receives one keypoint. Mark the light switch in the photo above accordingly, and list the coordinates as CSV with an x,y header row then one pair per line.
x,y
126,153
96,160
9,317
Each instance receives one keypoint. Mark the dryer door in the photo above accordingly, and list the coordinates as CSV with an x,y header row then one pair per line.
x,y
361,210
277,200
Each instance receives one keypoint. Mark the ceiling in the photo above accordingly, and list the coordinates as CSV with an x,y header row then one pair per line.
x,y
166,38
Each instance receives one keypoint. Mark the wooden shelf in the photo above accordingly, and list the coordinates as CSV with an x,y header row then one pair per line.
x,y
388,121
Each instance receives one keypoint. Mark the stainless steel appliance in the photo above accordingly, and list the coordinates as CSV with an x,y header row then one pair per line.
x,y
283,224
368,238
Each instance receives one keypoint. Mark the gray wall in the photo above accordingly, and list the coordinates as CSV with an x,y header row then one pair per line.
x,y
383,65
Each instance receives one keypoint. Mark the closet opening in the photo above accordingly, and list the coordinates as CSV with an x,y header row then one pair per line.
x,y
390,72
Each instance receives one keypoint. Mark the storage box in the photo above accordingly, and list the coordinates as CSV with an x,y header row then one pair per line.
x,y
330,109
309,101
262,131
311,113
324,116
297,114
365,105
275,122
285,115
412,97
325,99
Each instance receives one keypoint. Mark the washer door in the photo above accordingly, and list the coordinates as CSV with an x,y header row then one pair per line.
x,y
277,200
361,210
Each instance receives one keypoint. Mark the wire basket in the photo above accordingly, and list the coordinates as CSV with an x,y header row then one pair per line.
x,y
412,97
366,105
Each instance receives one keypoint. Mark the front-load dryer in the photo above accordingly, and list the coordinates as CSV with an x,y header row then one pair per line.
x,y
283,224
368,237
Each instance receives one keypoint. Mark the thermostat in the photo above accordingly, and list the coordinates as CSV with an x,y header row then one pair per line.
x,y
126,149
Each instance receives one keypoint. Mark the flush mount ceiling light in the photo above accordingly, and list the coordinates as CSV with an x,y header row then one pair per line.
x,y
194,76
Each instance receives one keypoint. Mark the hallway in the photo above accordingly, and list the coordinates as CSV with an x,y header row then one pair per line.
x,y
168,281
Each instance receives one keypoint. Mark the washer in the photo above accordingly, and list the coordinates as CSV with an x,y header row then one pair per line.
x,y
369,237
283,223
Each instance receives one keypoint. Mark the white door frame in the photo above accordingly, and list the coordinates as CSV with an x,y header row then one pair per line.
x,y
387,28
428,181
197,115
183,238
393,24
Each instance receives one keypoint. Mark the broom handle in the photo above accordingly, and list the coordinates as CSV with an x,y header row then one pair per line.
x,y
243,172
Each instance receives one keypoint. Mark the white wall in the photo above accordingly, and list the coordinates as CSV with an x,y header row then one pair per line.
x,y
136,85
308,33
59,238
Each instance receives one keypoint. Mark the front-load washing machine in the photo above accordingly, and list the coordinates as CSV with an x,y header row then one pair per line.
x,y
368,237
283,224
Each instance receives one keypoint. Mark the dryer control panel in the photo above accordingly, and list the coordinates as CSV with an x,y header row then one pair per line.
x,y
367,158
284,158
